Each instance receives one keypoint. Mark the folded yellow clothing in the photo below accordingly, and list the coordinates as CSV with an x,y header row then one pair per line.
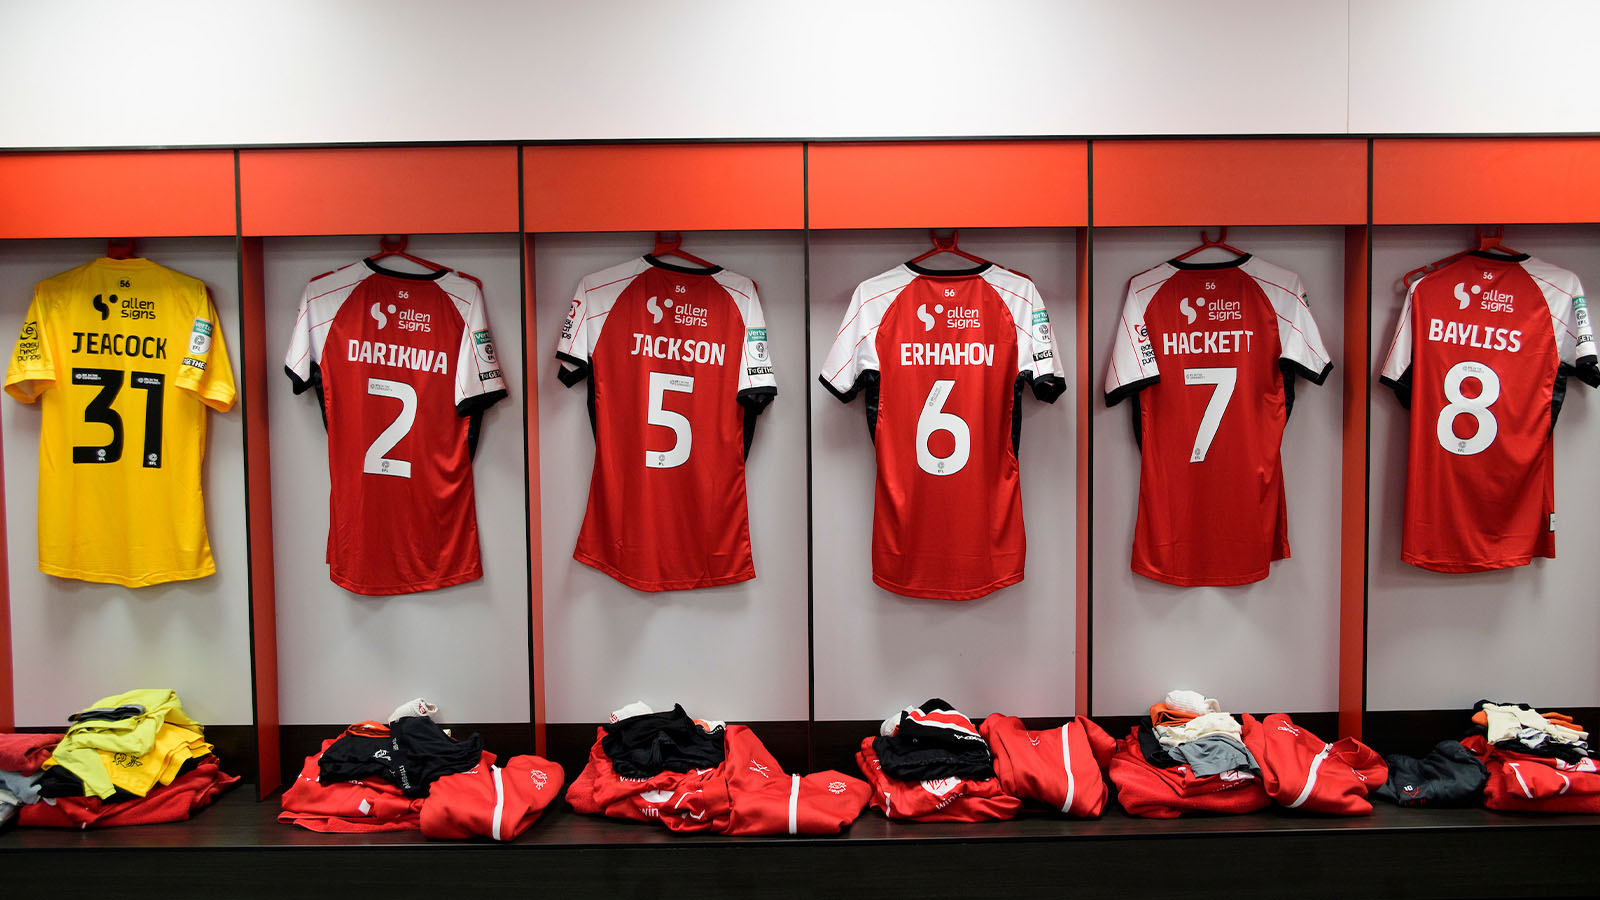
x,y
135,735
139,774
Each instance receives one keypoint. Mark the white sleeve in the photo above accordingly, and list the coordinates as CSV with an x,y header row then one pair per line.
x,y
1298,336
1569,318
304,353
855,349
1584,359
1397,365
757,384
1133,359
575,344
1037,359
479,381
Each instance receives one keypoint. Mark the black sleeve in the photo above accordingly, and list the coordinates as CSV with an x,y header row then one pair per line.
x,y
301,386
1128,390
570,377
754,401
1290,367
844,396
1588,371
1401,387
1048,388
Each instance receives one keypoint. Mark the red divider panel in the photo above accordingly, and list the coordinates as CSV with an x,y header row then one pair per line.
x,y
533,360
1289,181
138,193
1353,486
258,368
378,190
1082,697
8,719
663,187
1485,180
940,184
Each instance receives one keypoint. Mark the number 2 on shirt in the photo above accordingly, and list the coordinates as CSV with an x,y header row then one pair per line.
x,y
376,461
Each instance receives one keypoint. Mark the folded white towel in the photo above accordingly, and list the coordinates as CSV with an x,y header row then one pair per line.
x,y
636,708
417,707
1192,702
1199,727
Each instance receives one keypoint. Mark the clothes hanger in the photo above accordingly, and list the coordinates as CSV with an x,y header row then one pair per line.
x,y
397,247
119,248
672,246
1207,243
946,245
1490,238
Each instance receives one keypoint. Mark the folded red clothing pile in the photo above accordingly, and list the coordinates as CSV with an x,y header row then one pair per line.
x,y
348,807
950,799
1166,793
1301,771
188,793
485,801
747,793
1062,768
25,754
1522,782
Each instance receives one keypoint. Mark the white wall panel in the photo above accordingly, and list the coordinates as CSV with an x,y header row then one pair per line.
x,y
410,70
344,657
1473,66
735,652
75,642
1444,641
1266,647
1011,651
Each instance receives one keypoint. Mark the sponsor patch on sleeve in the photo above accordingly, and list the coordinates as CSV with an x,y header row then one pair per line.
x,y
483,346
200,338
28,349
755,340
1041,327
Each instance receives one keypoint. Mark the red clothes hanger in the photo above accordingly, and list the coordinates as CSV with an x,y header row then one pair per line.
x,y
1490,238
119,248
946,245
397,247
1207,243
672,246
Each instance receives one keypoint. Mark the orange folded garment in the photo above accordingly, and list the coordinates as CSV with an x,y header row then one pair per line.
x,y
1162,714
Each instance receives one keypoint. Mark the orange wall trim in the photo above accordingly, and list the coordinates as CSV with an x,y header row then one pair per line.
x,y
663,187
1292,181
1353,486
954,184
1448,181
140,193
380,190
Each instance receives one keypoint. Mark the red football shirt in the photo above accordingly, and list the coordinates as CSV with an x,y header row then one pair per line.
x,y
404,367
1210,351
1481,358
678,367
942,357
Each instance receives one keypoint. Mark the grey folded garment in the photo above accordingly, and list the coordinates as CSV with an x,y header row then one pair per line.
x,y
1214,754
21,788
8,806
107,713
